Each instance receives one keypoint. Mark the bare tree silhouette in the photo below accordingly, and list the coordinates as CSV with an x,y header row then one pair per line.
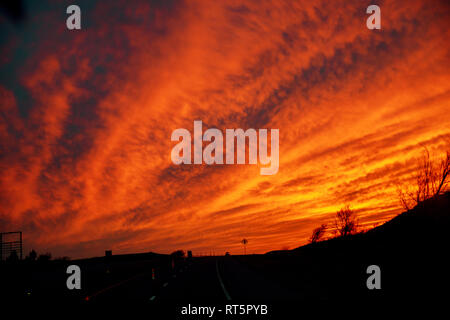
x,y
431,179
346,222
318,233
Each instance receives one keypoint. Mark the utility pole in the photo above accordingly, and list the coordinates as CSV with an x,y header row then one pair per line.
x,y
244,242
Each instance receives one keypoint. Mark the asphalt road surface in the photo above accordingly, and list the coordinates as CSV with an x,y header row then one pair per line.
x,y
203,280
212,282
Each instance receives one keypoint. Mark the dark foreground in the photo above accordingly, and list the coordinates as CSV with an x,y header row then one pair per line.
x,y
411,251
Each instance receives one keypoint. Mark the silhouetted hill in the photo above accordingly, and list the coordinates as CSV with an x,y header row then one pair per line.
x,y
411,251
425,224
428,221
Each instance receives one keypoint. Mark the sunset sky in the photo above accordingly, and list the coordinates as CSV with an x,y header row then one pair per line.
x,y
87,116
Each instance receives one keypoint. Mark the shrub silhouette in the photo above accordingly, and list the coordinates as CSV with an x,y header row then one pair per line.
x,y
318,233
32,255
13,257
45,257
179,254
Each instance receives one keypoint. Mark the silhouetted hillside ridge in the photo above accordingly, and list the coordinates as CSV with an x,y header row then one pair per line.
x,y
410,249
426,223
421,223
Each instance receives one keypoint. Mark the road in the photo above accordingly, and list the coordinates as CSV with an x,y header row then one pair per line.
x,y
283,283
207,282
203,280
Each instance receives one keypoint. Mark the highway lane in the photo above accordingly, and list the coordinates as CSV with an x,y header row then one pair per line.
x,y
198,282
246,284
203,280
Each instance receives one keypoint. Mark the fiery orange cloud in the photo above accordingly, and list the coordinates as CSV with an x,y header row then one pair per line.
x,y
87,117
